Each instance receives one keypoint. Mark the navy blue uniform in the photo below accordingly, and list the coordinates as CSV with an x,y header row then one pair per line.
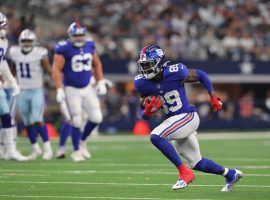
x,y
171,89
78,63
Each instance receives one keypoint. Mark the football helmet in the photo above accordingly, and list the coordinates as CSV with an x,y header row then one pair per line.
x,y
77,34
3,25
151,61
27,40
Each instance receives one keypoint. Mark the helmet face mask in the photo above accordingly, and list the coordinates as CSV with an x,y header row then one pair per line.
x,y
151,61
27,40
77,34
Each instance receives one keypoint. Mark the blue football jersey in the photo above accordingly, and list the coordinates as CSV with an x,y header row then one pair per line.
x,y
78,62
170,89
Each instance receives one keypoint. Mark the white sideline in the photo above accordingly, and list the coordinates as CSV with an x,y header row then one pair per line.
x,y
76,197
122,184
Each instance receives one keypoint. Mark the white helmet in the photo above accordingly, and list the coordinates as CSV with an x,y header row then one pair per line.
x,y
3,25
27,40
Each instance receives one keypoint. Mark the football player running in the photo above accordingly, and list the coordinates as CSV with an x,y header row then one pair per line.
x,y
74,60
165,83
30,60
7,127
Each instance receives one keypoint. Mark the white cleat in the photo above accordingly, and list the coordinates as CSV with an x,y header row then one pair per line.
x,y
180,184
48,153
36,152
230,183
85,152
60,154
2,153
15,155
77,156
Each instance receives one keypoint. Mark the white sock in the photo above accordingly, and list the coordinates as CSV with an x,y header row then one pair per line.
x,y
35,146
2,147
47,145
9,139
226,170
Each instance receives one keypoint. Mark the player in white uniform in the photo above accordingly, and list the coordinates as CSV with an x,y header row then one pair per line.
x,y
7,127
30,61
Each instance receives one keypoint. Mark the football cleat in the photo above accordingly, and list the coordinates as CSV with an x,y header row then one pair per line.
x,y
15,155
231,182
60,154
36,152
77,156
85,152
185,179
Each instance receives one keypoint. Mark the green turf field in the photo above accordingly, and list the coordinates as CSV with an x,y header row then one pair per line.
x,y
125,167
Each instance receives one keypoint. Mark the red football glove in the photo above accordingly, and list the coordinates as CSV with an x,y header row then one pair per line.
x,y
216,103
151,106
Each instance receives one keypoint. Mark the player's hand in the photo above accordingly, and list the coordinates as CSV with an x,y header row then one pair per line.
x,y
16,90
101,87
216,103
151,106
60,95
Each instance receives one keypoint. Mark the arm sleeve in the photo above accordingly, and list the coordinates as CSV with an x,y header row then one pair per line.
x,y
7,76
203,78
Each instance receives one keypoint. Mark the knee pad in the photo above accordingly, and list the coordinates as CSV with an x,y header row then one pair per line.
x,y
97,118
77,121
6,121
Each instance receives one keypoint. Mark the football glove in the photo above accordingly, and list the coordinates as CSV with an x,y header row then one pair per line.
x,y
151,106
60,95
216,103
101,87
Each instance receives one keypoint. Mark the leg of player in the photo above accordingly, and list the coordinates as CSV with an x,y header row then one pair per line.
x,y
76,135
190,150
65,131
32,135
2,145
43,132
93,116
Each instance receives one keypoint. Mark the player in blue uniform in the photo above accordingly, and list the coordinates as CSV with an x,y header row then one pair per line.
x,y
162,85
73,62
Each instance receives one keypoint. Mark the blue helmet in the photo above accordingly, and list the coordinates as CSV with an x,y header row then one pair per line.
x,y
77,34
151,61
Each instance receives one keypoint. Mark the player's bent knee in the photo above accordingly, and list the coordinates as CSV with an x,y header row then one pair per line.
x,y
77,121
97,118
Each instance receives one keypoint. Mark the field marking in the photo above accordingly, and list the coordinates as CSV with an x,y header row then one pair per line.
x,y
77,197
105,172
122,184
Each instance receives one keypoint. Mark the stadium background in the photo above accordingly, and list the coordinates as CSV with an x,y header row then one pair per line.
x,y
230,41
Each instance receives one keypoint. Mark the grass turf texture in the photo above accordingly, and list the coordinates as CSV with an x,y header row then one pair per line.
x,y
125,167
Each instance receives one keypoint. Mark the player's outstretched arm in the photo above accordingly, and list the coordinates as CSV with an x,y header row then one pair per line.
x,y
195,75
98,74
58,64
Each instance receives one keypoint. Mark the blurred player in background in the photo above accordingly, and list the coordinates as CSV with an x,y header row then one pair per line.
x,y
66,128
30,61
7,127
72,70
166,83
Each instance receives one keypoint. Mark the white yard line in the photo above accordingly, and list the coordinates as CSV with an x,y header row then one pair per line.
x,y
47,173
79,197
121,184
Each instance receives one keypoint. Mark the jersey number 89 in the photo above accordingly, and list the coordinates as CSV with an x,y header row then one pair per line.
x,y
81,62
172,98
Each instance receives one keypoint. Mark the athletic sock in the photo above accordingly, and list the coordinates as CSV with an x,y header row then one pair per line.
x,y
43,132
209,166
228,173
65,131
76,135
166,148
88,130
32,134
